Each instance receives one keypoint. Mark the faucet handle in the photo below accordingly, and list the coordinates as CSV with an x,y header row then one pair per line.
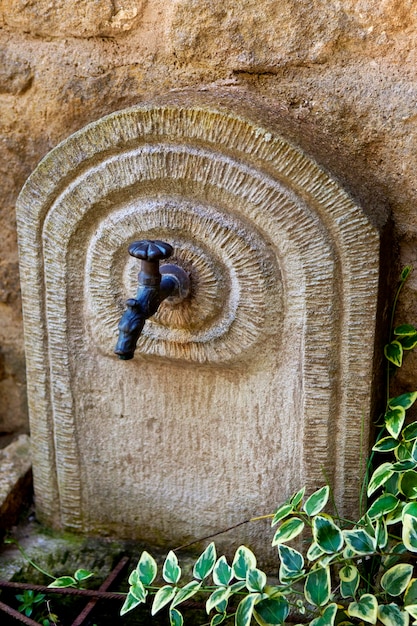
x,y
148,250
150,253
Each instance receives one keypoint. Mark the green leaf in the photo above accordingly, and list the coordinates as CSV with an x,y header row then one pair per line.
x,y
406,271
360,541
218,619
390,615
410,596
317,586
222,572
366,609
409,531
387,444
62,582
175,617
171,572
412,610
382,505
138,591
349,580
296,499
394,352
408,343
238,586
327,535
405,330
394,555
394,420
218,596
83,574
327,617
272,611
382,533
408,484
282,512
288,530
291,559
403,466
130,603
396,579
405,400
380,476
244,560
410,432
255,580
317,501
205,563
245,610
314,552
146,568
162,597
186,592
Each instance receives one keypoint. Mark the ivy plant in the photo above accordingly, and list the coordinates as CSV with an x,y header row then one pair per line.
x,y
350,573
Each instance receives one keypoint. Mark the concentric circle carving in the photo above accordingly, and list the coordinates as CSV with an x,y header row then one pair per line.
x,y
235,297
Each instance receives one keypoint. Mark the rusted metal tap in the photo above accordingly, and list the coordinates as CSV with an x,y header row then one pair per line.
x,y
155,284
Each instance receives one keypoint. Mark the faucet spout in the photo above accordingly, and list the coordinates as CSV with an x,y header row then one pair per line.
x,y
155,284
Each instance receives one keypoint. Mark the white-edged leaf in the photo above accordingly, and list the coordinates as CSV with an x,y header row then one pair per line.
x,y
327,535
222,572
391,615
394,352
272,611
163,596
405,400
218,596
360,541
243,561
175,617
255,580
394,420
186,592
292,560
288,530
205,562
146,568
314,552
365,609
317,501
245,610
317,587
409,531
349,580
380,476
83,574
130,603
283,511
396,579
62,582
327,617
382,505
171,572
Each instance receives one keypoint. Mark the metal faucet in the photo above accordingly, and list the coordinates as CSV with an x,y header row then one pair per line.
x,y
155,284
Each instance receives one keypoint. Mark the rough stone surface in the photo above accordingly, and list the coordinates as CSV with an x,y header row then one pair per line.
x,y
82,18
15,480
281,291
338,75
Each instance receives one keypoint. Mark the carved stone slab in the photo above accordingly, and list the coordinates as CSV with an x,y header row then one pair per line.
x,y
236,397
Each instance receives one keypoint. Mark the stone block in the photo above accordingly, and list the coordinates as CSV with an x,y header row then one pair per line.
x,y
241,394
15,480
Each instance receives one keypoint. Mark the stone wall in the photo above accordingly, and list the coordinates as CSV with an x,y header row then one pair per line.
x,y
339,75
